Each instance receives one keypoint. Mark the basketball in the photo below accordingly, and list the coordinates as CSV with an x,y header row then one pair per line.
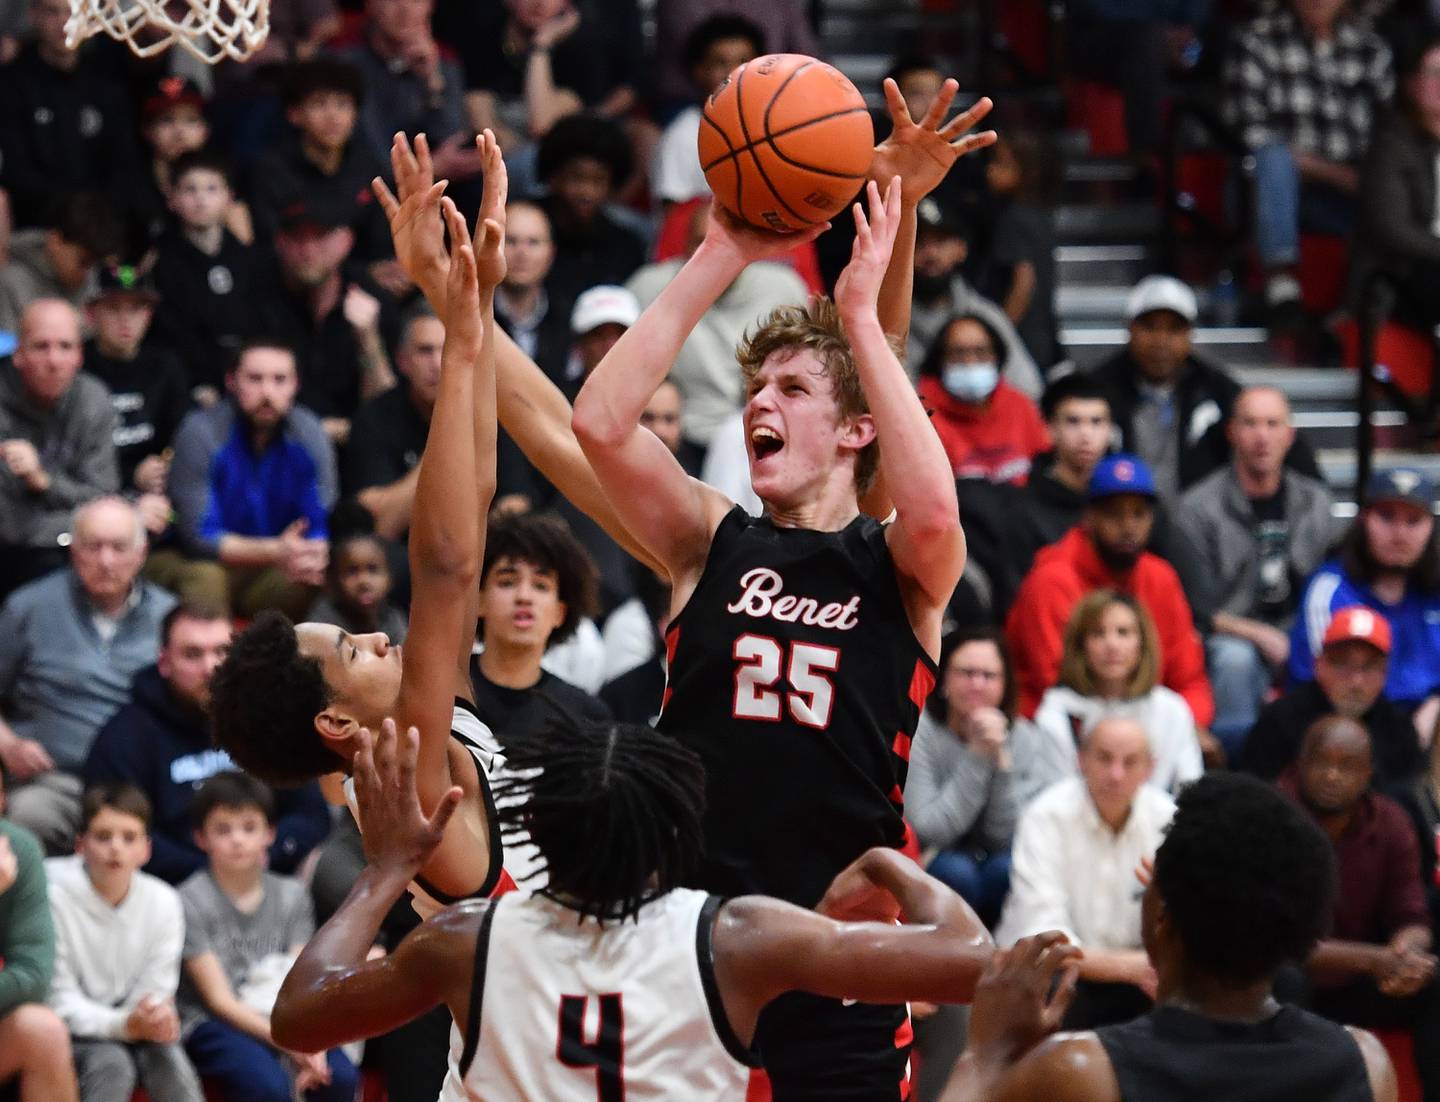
x,y
786,142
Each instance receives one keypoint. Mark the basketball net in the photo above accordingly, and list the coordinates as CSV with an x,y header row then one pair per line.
x,y
209,29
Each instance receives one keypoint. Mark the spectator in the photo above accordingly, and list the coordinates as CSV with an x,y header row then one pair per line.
x,y
1110,667
35,1052
160,742
1399,216
989,429
357,589
600,318
214,286
783,23
321,163
1077,849
1302,84
523,305
70,644
147,385
1106,550
253,478
1023,179
1388,561
710,387
243,927
582,161
1375,967
635,661
1349,681
1131,47
412,84
1260,530
332,324
64,126
56,441
172,123
941,292
119,933
958,793
535,586
713,50
665,417
528,65
59,261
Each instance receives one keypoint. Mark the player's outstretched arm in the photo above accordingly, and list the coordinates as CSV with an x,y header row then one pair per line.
x,y
671,514
926,540
530,407
765,947
921,154
445,529
333,994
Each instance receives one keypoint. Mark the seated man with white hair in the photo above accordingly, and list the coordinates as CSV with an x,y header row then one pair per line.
x,y
70,643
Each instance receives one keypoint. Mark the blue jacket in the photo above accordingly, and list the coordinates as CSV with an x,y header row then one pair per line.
x,y
1414,632
163,747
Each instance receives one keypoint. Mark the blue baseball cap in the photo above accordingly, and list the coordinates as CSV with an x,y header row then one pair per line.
x,y
1121,474
1401,484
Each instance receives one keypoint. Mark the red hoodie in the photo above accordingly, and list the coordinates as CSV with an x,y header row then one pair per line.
x,y
1066,571
995,441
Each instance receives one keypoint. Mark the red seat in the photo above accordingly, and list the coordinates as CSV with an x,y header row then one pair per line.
x,y
1408,354
1400,1044
1099,110
1324,265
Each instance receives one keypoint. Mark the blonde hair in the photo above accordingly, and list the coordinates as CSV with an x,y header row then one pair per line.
x,y
1085,621
816,327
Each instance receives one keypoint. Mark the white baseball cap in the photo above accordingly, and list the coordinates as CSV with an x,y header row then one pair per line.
x,y
606,304
1161,292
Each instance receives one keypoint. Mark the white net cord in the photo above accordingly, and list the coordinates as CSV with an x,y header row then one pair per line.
x,y
209,29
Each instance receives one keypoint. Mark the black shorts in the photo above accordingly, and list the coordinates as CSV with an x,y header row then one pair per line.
x,y
820,1050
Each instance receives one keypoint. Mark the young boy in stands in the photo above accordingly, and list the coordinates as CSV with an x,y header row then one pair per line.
x,y
240,922
536,584
118,936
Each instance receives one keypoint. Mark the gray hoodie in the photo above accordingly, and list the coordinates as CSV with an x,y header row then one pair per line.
x,y
28,276
75,439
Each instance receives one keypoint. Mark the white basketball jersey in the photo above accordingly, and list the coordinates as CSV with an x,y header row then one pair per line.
x,y
571,1011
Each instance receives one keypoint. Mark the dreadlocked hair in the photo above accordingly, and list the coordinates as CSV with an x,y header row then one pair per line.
x,y
614,808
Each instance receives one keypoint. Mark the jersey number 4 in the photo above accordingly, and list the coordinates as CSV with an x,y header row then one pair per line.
x,y
605,1054
761,660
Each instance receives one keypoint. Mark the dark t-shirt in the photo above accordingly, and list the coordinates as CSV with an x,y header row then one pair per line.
x,y
1025,233
509,711
635,696
1277,589
478,36
150,395
387,438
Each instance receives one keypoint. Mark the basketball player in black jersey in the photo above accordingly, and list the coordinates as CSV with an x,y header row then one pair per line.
x,y
289,701
802,643
670,981
1242,885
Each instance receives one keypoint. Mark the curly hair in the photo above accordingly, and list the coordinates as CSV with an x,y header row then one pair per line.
x,y
263,702
1246,877
548,545
615,809
815,328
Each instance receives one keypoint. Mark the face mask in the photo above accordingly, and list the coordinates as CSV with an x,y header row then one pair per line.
x,y
970,382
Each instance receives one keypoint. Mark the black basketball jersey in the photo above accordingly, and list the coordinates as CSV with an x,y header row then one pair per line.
x,y
795,674
1175,1055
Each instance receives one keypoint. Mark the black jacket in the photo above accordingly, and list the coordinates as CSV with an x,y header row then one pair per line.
x,y
1204,394
164,748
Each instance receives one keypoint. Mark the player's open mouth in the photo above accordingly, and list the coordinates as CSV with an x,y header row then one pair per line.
x,y
765,441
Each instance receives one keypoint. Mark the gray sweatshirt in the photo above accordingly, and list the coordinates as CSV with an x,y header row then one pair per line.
x,y
954,797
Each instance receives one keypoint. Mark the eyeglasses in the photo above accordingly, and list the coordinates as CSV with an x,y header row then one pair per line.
x,y
978,675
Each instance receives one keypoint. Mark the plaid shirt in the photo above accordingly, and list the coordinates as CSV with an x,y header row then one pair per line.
x,y
1280,86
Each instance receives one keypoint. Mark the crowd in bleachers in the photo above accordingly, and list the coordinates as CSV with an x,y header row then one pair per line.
x,y
217,384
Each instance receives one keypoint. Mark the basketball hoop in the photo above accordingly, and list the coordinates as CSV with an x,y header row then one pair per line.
x,y
209,29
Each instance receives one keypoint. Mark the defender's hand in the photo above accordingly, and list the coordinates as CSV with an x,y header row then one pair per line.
x,y
922,153
397,834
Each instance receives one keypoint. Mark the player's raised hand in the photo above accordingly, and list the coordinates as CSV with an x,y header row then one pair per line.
x,y
397,834
490,230
858,288
416,228
462,289
742,243
921,153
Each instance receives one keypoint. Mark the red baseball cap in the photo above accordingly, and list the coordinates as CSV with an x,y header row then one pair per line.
x,y
1359,623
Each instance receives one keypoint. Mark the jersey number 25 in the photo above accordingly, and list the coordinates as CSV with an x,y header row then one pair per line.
x,y
761,660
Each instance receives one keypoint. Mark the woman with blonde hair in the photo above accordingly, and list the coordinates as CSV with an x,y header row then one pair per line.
x,y
1110,667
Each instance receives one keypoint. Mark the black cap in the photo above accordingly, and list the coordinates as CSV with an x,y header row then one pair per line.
x,y
314,214
125,279
932,214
